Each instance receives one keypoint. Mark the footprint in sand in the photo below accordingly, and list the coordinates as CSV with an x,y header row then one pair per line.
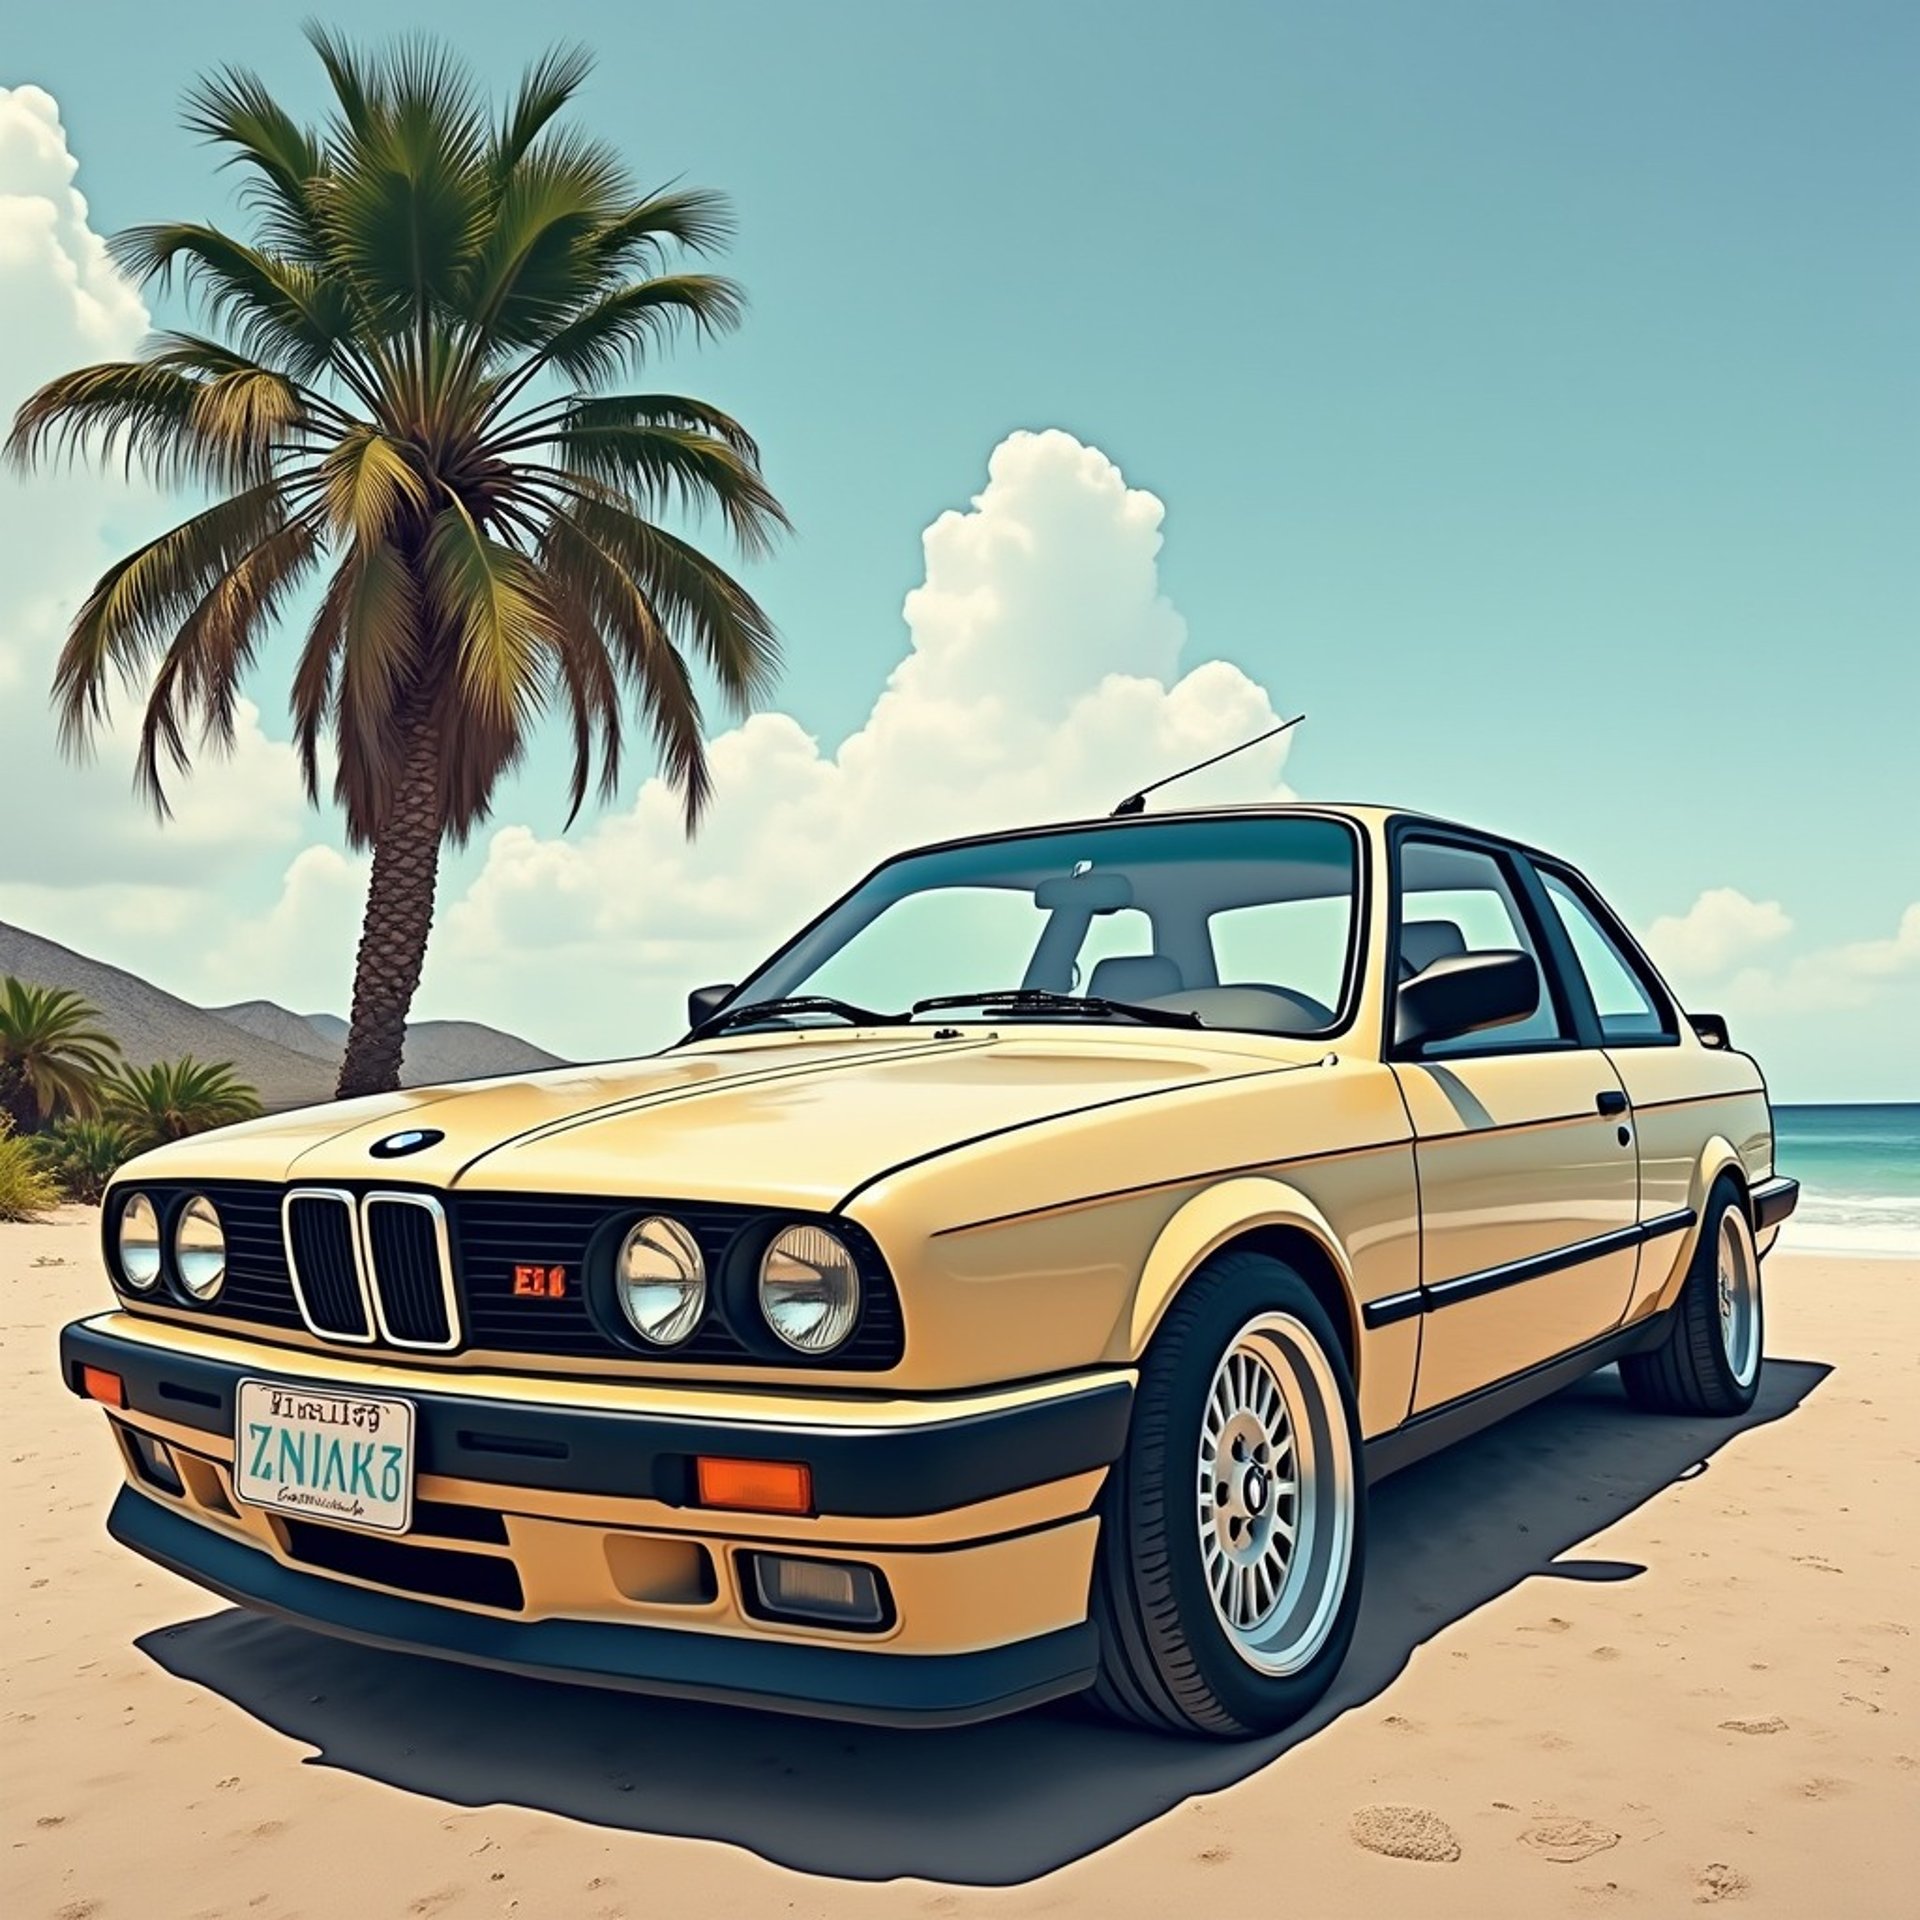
x,y
1772,1724
1405,1833
1719,1881
1567,1839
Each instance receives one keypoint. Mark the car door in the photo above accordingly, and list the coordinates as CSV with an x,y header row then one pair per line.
x,y
1523,1139
1668,1085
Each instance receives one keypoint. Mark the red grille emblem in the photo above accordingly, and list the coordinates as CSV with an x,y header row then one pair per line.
x,y
540,1283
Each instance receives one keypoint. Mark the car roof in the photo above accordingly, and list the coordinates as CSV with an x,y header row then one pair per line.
x,y
1366,814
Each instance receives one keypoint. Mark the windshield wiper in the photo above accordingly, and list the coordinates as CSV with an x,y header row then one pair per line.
x,y
1039,1000
794,1003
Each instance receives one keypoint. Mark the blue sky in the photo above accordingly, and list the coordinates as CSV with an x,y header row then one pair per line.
x,y
1531,391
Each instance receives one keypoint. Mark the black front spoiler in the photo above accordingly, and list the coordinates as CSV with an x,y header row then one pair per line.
x,y
882,1689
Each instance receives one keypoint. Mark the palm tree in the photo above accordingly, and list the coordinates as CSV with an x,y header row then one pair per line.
x,y
173,1098
54,1054
404,386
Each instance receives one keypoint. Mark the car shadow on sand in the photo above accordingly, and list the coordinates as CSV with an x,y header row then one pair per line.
x,y
990,1805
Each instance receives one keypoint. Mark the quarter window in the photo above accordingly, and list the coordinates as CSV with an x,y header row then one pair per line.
x,y
1628,1007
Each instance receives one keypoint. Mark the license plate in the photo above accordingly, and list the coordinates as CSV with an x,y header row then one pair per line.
x,y
327,1455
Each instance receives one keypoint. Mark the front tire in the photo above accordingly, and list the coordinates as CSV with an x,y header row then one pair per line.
x,y
1227,1577
1709,1361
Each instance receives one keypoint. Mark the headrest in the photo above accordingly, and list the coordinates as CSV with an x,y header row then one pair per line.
x,y
1134,976
1422,942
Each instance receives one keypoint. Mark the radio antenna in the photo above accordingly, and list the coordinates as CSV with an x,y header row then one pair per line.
x,y
1137,802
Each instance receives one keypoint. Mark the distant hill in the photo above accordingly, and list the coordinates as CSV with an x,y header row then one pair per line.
x,y
289,1058
151,1025
266,1021
436,1049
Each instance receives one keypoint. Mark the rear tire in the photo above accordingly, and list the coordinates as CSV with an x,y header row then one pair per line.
x,y
1233,1529
1709,1360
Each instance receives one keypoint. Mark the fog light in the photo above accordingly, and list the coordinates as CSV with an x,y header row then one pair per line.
x,y
834,1593
155,1461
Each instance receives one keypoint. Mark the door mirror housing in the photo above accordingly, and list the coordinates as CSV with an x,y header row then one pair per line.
x,y
1464,993
704,1002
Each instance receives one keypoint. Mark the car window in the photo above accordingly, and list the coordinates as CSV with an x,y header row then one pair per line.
x,y
1120,910
946,940
1301,944
1456,899
1629,1009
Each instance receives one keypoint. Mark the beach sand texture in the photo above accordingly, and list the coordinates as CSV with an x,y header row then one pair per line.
x,y
1609,1664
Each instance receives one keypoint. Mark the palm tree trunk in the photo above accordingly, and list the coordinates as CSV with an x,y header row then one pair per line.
x,y
393,937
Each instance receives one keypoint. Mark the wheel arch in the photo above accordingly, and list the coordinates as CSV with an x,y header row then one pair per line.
x,y
1257,1215
1719,1161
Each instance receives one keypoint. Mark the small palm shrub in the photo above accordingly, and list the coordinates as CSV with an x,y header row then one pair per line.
x,y
54,1053
174,1098
26,1188
81,1156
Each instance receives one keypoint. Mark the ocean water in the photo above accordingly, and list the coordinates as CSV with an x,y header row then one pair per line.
x,y
1859,1174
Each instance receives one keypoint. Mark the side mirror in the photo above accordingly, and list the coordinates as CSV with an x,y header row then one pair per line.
x,y
704,1002
1711,1029
1464,993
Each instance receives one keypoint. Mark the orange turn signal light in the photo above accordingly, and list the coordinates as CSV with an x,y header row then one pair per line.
x,y
754,1486
108,1388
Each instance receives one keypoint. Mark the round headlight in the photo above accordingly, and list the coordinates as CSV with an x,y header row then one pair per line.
x,y
139,1244
663,1282
809,1289
200,1248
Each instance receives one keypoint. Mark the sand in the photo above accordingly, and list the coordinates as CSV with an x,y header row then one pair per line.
x,y
1609,1664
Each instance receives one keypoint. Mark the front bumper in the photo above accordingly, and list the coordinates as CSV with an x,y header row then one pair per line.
x,y
975,1509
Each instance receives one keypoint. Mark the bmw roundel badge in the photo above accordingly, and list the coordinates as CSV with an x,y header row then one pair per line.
x,y
396,1145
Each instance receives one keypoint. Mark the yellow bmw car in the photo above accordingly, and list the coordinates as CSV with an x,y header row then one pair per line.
x,y
1008,1291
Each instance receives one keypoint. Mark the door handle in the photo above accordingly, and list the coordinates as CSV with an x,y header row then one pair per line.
x,y
1610,1102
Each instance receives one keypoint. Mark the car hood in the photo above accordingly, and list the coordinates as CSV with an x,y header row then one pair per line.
x,y
795,1120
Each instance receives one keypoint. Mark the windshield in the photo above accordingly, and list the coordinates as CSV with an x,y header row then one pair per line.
x,y
1241,922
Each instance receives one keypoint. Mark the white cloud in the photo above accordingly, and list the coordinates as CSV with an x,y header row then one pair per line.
x,y
1721,927
1042,681
79,831
63,291
300,951
1830,979
1714,947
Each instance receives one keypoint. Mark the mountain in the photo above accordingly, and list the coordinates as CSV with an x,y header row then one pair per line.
x,y
151,1025
290,1059
436,1049
266,1021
